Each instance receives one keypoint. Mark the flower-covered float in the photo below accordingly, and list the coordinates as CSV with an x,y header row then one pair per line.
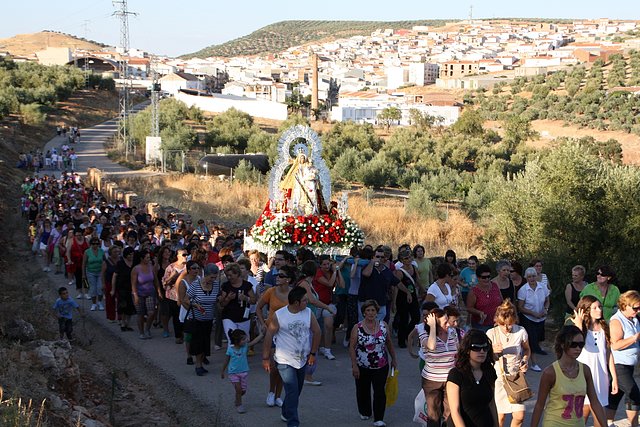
x,y
300,212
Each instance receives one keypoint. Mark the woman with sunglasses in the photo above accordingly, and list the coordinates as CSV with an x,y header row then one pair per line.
x,y
483,299
470,383
533,304
190,277
625,333
275,298
92,261
169,282
566,383
604,289
199,302
236,296
596,353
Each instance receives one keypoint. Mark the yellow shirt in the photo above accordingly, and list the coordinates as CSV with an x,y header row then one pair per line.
x,y
566,399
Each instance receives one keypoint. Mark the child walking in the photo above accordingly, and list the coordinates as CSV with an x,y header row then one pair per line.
x,y
238,364
64,311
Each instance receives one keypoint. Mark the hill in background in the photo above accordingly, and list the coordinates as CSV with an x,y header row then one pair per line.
x,y
28,44
285,34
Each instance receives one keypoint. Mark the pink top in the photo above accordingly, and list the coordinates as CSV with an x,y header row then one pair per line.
x,y
487,303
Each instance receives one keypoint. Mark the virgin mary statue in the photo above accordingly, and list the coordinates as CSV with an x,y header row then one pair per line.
x,y
301,188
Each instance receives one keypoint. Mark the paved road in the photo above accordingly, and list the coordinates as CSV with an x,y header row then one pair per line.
x,y
91,151
332,404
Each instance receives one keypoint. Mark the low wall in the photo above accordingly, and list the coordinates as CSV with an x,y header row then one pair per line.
x,y
112,191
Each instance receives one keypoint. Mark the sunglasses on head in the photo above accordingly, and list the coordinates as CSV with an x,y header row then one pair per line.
x,y
479,347
576,344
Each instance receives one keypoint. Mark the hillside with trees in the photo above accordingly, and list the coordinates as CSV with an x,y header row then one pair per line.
x,y
29,89
592,97
285,34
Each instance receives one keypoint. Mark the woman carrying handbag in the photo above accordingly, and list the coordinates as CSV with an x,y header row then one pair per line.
x,y
512,352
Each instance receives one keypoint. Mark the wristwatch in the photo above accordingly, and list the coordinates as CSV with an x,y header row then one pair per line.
x,y
312,354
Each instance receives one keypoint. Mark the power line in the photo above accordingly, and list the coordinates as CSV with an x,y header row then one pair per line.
x,y
126,84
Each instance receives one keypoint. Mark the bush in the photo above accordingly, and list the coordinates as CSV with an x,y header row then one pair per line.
x,y
245,172
421,203
32,114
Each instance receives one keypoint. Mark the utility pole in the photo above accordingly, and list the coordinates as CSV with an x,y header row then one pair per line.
x,y
155,98
123,13
85,27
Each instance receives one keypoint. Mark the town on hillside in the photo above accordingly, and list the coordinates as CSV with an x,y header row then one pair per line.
x,y
417,68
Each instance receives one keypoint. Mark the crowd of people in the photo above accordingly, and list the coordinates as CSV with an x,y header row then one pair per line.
x,y
478,332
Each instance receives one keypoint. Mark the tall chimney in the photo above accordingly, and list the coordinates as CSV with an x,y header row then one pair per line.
x,y
314,87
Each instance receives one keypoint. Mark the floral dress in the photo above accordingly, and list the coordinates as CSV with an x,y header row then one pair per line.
x,y
371,350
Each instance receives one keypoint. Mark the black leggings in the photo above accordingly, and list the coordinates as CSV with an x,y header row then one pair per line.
x,y
78,276
376,378
407,315
626,386
173,311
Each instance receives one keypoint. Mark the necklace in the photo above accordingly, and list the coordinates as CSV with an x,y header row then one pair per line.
x,y
477,375
569,371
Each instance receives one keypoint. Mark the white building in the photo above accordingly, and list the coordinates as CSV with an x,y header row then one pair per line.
x,y
172,83
364,107
221,103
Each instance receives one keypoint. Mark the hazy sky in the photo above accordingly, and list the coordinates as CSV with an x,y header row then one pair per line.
x,y
178,27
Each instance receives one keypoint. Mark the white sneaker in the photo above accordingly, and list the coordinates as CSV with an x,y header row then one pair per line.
x,y
313,382
87,296
536,368
363,417
321,350
328,354
279,402
379,424
93,307
271,399
100,306
79,296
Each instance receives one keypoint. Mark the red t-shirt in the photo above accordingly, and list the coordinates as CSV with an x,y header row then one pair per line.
x,y
324,292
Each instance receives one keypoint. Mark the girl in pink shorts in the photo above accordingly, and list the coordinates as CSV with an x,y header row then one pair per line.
x,y
238,364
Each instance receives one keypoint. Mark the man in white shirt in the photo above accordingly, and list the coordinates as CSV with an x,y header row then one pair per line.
x,y
293,326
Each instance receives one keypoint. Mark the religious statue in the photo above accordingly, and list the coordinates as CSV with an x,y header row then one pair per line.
x,y
301,187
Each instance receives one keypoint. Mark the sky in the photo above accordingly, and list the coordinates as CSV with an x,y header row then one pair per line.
x,y
174,27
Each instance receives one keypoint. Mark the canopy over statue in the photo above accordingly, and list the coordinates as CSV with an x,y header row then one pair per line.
x,y
300,211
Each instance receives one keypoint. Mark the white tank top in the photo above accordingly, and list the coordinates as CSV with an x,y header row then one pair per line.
x,y
183,311
293,339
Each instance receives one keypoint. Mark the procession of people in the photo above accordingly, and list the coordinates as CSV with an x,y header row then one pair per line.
x,y
478,336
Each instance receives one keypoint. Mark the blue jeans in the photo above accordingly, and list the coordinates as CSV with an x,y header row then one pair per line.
x,y
293,380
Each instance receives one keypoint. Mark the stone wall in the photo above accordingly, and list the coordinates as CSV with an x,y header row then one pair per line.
x,y
114,193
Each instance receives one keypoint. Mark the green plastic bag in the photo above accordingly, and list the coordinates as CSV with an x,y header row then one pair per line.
x,y
391,387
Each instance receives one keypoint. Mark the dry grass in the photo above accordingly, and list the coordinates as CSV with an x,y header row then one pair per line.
x,y
206,198
16,413
384,220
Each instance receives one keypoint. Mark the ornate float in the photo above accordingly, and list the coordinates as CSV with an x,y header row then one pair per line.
x,y
300,212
